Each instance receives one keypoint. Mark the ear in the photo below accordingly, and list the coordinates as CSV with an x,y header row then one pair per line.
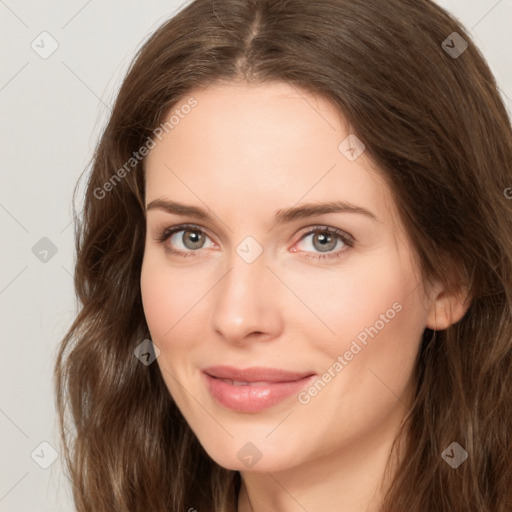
x,y
447,309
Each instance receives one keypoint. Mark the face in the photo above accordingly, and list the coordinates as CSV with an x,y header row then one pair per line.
x,y
248,274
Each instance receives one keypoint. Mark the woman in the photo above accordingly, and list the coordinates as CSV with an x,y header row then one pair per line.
x,y
295,269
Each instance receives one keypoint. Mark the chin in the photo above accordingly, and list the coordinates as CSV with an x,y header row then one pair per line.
x,y
256,457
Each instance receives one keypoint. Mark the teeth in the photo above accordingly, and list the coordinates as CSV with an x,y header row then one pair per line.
x,y
242,383
239,383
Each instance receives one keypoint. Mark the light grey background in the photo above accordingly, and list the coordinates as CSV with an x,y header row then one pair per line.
x,y
52,112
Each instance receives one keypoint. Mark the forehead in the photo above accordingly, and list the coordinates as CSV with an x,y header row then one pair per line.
x,y
259,147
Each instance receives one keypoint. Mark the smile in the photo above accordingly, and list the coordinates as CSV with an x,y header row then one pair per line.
x,y
251,396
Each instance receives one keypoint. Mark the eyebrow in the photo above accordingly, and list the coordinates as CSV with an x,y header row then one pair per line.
x,y
280,216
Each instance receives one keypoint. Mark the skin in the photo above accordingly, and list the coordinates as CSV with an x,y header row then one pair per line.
x,y
244,152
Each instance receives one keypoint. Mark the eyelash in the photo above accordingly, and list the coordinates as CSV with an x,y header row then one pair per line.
x,y
344,237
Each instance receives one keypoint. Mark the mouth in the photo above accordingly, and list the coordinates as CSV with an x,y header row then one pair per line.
x,y
253,389
249,383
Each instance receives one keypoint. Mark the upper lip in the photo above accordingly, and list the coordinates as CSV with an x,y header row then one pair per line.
x,y
255,373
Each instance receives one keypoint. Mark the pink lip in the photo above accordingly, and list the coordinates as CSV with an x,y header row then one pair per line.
x,y
271,386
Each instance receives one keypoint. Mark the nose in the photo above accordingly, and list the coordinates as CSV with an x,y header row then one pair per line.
x,y
247,302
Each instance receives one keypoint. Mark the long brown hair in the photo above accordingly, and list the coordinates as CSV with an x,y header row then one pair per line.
x,y
436,128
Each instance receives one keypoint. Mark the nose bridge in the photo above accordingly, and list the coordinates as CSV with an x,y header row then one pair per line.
x,y
243,304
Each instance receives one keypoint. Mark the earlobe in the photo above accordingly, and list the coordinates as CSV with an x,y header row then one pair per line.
x,y
446,310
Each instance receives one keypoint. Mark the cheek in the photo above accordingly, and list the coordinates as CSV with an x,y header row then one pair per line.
x,y
375,376
166,295
156,300
354,295
377,315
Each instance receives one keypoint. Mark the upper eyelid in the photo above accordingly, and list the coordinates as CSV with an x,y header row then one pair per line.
x,y
172,230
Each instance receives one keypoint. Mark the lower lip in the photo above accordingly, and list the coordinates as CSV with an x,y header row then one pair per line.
x,y
253,398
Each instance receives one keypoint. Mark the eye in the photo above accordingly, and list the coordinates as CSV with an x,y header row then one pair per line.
x,y
324,240
184,239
